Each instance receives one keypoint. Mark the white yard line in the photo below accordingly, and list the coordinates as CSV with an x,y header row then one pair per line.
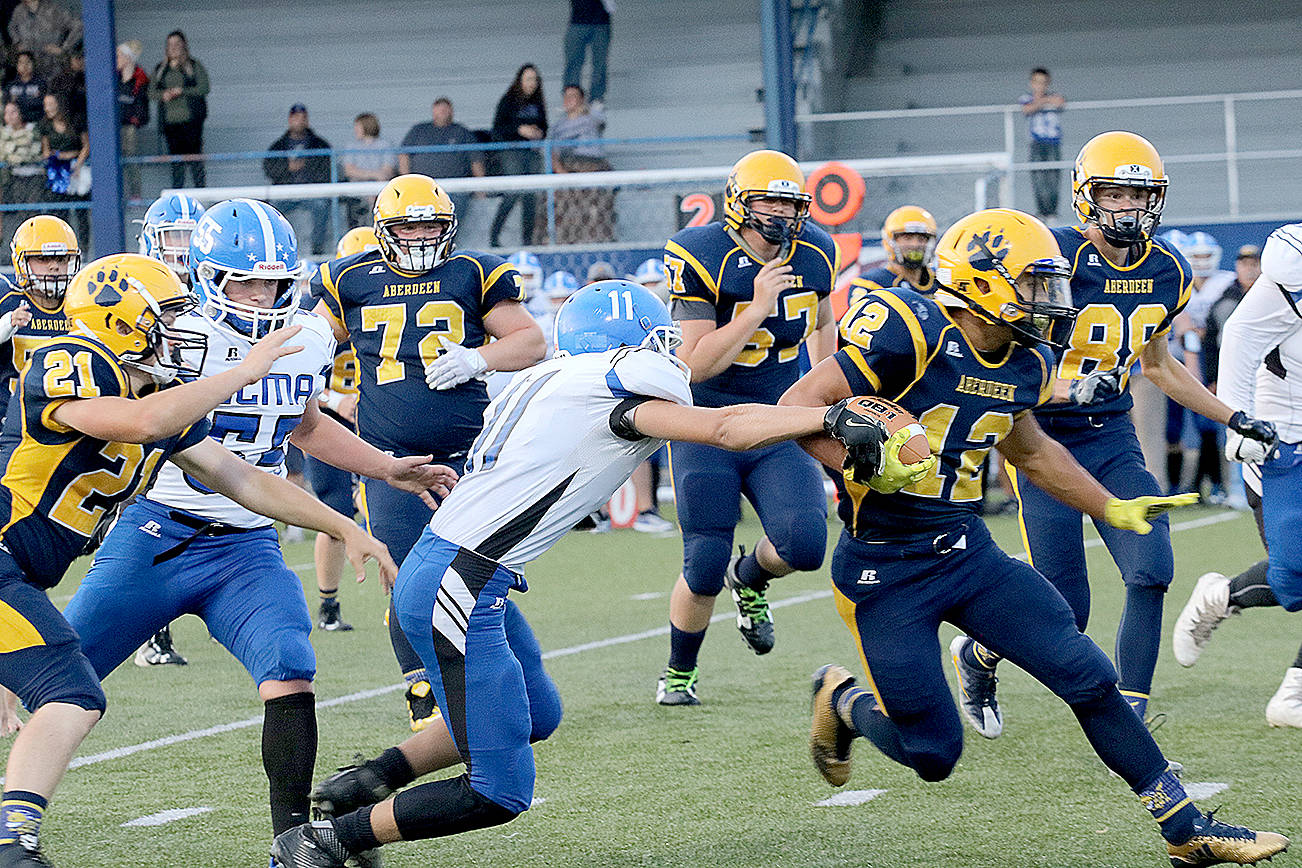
x,y
166,816
118,753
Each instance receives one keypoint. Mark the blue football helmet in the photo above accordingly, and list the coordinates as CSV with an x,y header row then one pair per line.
x,y
610,314
531,273
560,285
1203,252
243,239
652,271
165,231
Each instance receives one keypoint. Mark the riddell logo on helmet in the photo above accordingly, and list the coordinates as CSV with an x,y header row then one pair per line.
x,y
54,248
268,266
1133,170
783,185
426,211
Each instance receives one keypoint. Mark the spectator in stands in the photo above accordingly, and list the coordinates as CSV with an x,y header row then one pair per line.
x,y
133,110
370,158
582,215
20,151
70,84
600,270
180,84
65,147
46,29
521,116
442,130
1043,109
27,89
302,170
589,27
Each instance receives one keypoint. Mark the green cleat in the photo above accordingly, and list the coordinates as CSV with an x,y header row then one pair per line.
x,y
677,688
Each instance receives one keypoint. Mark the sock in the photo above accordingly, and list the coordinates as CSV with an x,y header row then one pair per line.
x,y
684,648
1297,663
415,676
867,719
1139,638
354,831
328,595
393,769
289,756
1171,806
976,654
21,813
1249,588
753,575
409,662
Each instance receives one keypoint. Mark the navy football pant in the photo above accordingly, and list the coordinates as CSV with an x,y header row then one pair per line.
x,y
40,653
396,518
894,595
1108,448
332,486
484,664
782,482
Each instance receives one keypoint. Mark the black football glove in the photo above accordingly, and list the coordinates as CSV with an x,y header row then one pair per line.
x,y
1256,439
864,438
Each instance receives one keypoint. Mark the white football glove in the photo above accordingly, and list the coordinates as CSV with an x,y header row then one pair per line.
x,y
1240,448
454,366
1098,385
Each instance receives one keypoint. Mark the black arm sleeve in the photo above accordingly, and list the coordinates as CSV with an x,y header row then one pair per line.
x,y
621,418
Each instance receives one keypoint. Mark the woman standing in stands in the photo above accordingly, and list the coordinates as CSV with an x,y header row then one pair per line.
x,y
65,148
180,84
521,117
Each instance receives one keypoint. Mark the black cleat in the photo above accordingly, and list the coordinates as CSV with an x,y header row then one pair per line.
x,y
311,845
348,789
754,619
159,651
19,855
422,707
328,617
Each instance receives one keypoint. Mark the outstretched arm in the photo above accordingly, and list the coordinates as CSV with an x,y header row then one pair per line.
x,y
738,428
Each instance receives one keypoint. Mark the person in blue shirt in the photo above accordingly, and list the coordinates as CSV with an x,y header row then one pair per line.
x,y
1043,111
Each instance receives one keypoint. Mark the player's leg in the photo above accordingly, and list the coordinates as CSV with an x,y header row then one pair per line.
x,y
1281,500
334,488
1028,621
396,518
1146,562
891,598
258,612
707,492
41,662
785,485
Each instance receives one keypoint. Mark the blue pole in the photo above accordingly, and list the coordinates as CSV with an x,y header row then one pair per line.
x,y
100,44
779,85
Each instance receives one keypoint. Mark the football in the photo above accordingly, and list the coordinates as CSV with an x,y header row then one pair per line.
x,y
895,417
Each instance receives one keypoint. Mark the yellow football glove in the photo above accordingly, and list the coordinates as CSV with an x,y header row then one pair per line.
x,y
895,474
1134,514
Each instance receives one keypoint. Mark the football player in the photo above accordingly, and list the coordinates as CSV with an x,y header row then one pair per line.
x,y
556,444
45,256
909,239
1128,288
411,308
182,548
751,295
331,484
969,365
165,236
89,430
558,286
531,278
1261,347
651,274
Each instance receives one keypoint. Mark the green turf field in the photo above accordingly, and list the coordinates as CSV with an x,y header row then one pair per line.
x,y
625,782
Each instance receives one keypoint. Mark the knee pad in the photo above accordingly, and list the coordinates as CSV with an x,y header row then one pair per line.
x,y
446,807
933,741
803,542
934,767
705,558
61,673
287,656
1086,675
545,710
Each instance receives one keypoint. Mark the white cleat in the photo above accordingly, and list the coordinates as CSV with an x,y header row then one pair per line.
x,y
1285,707
1208,606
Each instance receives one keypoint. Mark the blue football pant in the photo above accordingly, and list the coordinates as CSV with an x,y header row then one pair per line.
x,y
893,596
1281,507
782,482
239,585
484,664
40,655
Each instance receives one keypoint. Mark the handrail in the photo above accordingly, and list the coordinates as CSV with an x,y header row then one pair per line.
x,y
1135,102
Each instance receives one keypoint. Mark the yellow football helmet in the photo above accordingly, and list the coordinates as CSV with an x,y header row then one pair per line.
x,y
1005,266
765,175
414,199
47,236
127,302
356,240
1119,159
909,220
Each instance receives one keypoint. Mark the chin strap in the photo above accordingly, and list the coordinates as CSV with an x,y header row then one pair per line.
x,y
783,251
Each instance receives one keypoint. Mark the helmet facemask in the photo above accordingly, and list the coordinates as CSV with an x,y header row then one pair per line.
x,y
167,346
773,228
1122,227
915,256
246,320
418,255
51,287
170,244
1043,312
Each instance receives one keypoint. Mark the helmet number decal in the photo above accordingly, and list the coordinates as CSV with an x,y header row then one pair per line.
x,y
203,234
628,305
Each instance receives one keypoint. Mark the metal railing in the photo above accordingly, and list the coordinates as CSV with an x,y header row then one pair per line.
x,y
997,126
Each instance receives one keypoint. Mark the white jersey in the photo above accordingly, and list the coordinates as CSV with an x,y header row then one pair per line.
x,y
1261,347
254,422
552,451
1200,303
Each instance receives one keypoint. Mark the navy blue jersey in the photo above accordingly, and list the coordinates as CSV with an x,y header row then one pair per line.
x,y
712,277
45,324
58,483
905,347
882,277
397,323
1122,308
